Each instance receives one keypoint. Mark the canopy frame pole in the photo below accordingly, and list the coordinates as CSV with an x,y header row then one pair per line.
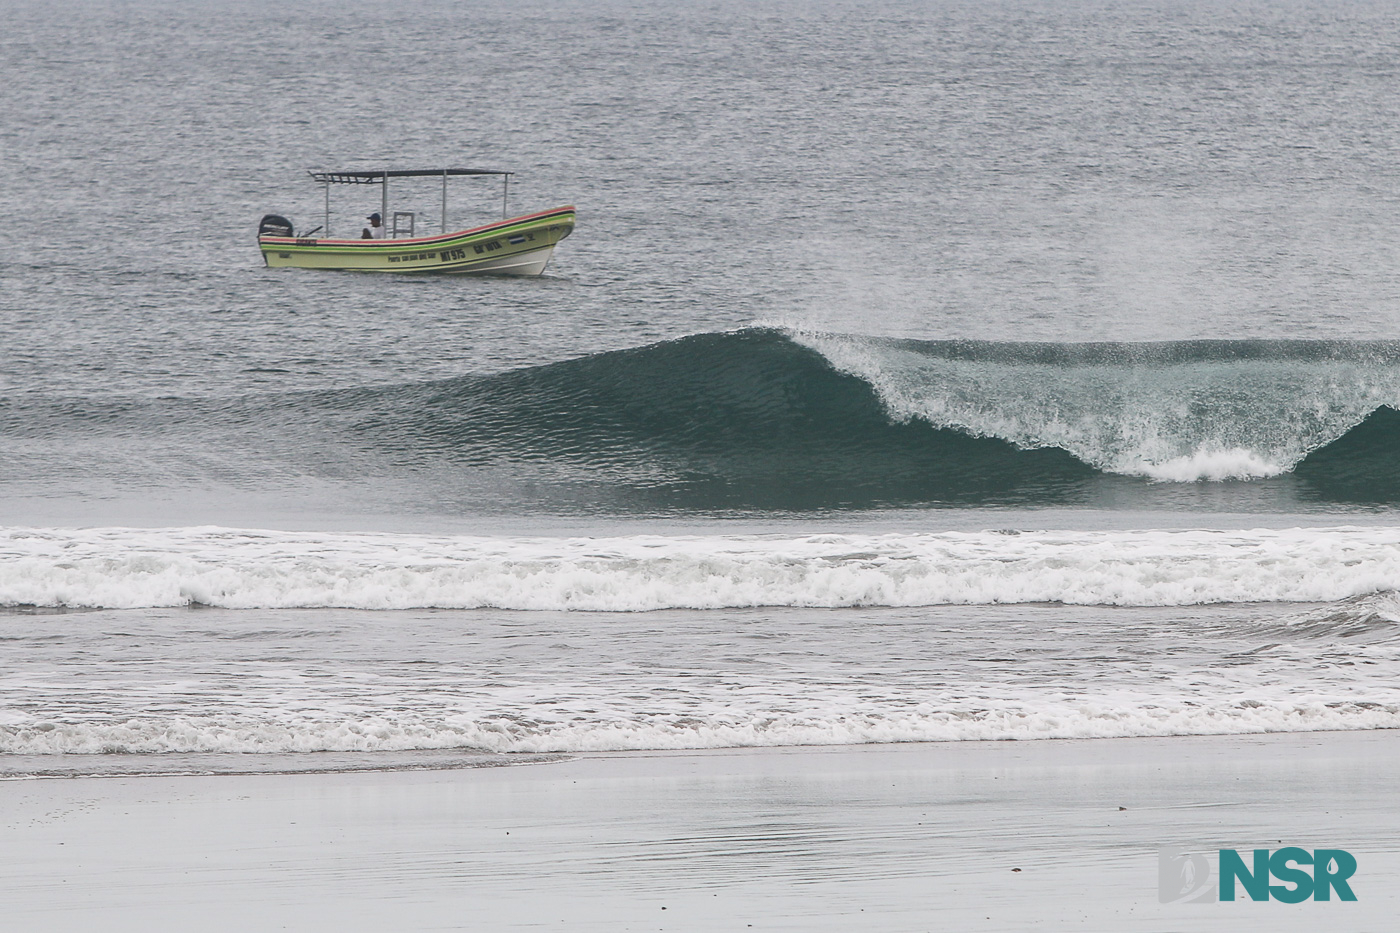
x,y
384,199
505,195
444,200
326,227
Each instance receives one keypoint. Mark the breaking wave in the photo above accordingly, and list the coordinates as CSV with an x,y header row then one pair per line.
x,y
773,419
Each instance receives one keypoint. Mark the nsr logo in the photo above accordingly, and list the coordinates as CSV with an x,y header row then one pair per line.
x,y
1183,877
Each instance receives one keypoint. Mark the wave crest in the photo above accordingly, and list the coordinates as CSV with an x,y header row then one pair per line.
x,y
1178,412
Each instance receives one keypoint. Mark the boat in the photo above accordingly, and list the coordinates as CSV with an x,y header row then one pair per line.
x,y
511,246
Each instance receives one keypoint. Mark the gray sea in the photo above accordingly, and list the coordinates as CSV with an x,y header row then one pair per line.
x,y
917,371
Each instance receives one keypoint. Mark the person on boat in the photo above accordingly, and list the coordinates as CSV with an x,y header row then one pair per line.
x,y
375,230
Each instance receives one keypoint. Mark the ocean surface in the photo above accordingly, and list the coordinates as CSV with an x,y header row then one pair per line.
x,y
917,371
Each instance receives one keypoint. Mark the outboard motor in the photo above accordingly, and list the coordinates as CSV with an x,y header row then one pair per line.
x,y
275,225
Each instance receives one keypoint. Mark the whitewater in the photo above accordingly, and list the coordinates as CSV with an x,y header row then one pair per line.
x,y
290,683
126,568
1171,411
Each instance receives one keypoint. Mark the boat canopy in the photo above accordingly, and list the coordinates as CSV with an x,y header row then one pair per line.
x,y
381,176
376,176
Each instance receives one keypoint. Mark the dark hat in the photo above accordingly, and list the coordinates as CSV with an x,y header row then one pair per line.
x,y
374,216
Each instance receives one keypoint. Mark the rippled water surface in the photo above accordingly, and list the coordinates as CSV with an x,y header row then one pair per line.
x,y
846,278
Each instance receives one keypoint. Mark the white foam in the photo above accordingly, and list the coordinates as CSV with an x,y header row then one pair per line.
x,y
127,568
1208,465
1178,421
922,723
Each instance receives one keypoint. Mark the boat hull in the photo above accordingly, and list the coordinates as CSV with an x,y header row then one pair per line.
x,y
518,246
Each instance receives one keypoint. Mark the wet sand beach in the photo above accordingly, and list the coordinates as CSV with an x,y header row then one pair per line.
x,y
892,837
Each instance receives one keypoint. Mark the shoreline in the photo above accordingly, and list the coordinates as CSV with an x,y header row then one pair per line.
x,y
881,837
290,764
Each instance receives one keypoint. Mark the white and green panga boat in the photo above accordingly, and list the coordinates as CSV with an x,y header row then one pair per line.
x,y
510,246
